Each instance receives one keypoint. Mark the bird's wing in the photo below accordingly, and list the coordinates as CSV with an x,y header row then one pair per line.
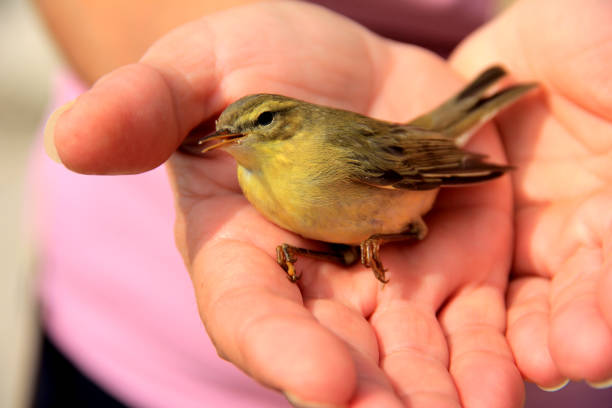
x,y
408,157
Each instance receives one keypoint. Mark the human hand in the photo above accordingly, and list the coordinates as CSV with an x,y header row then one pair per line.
x,y
559,301
339,337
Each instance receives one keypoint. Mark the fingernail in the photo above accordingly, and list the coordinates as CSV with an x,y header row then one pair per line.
x,y
554,387
49,133
600,385
300,403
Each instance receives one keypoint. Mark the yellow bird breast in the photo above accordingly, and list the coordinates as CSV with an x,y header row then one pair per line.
x,y
330,207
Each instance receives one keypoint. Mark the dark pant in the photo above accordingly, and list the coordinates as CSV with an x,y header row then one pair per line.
x,y
60,384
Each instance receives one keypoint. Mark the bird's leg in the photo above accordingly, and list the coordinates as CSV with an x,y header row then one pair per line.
x,y
370,247
286,256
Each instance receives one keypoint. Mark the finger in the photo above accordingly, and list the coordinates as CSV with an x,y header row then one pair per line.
x,y
414,355
605,288
414,351
135,117
566,243
605,303
257,321
480,359
373,387
528,331
603,226
580,338
129,122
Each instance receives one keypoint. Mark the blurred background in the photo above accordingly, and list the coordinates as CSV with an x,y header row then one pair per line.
x,y
27,58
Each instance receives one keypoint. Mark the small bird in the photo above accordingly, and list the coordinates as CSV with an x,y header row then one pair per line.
x,y
350,180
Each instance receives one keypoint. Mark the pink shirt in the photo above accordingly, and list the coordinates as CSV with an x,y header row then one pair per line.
x,y
115,295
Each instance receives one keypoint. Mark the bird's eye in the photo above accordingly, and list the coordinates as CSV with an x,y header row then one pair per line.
x,y
265,118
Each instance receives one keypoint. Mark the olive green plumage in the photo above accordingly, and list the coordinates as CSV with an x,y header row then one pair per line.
x,y
341,177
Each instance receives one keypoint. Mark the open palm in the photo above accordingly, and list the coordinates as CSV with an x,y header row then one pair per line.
x,y
560,307
338,337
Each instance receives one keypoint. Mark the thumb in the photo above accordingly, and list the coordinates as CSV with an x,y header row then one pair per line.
x,y
130,121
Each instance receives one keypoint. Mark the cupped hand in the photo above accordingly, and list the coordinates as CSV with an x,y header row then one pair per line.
x,y
432,336
560,299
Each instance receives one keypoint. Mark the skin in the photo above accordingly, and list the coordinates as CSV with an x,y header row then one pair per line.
x,y
340,338
559,303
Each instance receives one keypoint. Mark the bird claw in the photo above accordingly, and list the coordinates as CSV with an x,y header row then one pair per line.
x,y
370,258
286,259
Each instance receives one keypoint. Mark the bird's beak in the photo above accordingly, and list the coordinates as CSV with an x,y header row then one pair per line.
x,y
221,137
194,141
